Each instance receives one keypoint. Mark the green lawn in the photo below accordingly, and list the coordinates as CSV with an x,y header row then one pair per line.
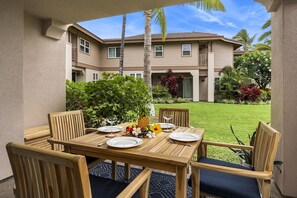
x,y
216,118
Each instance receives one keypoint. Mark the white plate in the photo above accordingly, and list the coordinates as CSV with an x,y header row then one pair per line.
x,y
166,125
184,137
124,142
110,129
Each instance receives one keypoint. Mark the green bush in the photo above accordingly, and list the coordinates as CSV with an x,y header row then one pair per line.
x,y
76,97
122,96
160,91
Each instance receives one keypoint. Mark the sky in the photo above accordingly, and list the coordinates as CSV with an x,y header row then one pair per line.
x,y
240,14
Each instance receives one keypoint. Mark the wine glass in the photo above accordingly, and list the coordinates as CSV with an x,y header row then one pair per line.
x,y
111,120
167,117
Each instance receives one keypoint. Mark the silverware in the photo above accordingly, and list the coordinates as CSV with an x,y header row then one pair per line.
x,y
101,144
184,144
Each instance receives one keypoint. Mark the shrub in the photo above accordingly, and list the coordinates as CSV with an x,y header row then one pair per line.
x,y
122,96
249,94
160,92
171,82
76,97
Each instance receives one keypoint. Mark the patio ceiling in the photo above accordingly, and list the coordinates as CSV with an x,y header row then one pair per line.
x,y
70,11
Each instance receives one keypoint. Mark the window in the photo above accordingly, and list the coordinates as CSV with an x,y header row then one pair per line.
x,y
186,49
84,46
136,75
114,52
158,50
95,77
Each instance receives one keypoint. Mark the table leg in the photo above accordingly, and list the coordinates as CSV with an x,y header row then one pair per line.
x,y
181,182
114,170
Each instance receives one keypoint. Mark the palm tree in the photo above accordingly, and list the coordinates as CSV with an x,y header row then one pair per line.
x,y
245,38
121,66
160,19
266,36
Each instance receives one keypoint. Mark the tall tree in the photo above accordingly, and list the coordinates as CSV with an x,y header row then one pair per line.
x,y
245,38
266,37
121,66
159,15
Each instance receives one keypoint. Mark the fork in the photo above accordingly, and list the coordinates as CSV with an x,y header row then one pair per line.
x,y
101,144
173,142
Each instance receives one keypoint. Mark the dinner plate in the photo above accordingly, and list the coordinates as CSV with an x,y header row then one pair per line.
x,y
184,137
124,142
110,129
166,125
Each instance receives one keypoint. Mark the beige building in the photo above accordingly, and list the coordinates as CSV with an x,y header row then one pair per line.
x,y
32,68
199,57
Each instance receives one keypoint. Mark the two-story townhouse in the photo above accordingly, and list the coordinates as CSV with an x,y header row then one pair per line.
x,y
199,57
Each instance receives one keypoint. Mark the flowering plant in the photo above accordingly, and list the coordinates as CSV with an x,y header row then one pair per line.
x,y
147,132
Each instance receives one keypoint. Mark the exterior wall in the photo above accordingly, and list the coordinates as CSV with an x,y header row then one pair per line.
x,y
93,58
68,61
89,75
203,89
11,78
172,55
284,93
44,73
223,53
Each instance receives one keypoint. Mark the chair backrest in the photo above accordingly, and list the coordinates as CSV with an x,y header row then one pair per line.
x,y
181,117
265,148
45,173
66,126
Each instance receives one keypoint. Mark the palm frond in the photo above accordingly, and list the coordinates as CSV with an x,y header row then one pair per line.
x,y
266,24
265,35
160,18
262,47
209,5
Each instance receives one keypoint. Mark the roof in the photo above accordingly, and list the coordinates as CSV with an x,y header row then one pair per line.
x,y
87,32
182,36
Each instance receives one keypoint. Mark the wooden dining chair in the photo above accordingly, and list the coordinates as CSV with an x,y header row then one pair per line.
x,y
181,117
223,179
42,173
68,125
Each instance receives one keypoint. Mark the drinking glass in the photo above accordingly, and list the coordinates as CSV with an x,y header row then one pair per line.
x,y
167,117
111,120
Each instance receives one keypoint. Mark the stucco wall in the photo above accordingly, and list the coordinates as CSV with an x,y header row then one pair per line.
x,y
172,55
93,58
284,92
44,73
89,74
223,53
11,79
68,64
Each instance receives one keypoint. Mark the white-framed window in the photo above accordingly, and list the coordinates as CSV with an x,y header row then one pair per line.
x,y
84,46
136,75
186,49
95,77
114,52
158,50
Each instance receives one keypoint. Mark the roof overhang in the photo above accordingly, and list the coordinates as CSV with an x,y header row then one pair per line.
x,y
70,11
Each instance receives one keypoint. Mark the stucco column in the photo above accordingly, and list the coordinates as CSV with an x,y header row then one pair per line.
x,y
210,77
68,61
195,75
284,93
11,79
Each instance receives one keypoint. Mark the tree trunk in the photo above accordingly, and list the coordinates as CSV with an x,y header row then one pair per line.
x,y
121,66
147,50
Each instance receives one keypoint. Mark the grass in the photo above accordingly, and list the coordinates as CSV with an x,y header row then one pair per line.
x,y
216,119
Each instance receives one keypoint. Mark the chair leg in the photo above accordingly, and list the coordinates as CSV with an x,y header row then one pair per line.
x,y
266,185
143,191
127,171
114,170
195,177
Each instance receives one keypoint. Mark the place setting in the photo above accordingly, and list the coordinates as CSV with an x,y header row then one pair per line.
x,y
183,138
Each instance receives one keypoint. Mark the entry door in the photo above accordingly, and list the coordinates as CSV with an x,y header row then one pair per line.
x,y
188,87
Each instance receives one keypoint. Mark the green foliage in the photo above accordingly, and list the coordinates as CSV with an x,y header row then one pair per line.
x,y
256,65
244,37
123,96
160,91
76,97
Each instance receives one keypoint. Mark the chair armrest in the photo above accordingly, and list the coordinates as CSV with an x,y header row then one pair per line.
x,y
53,141
235,171
141,181
220,144
91,130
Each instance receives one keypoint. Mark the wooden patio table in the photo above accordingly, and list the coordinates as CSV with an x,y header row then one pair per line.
x,y
157,153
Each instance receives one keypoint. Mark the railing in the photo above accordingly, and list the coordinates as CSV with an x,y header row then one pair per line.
x,y
74,54
203,60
